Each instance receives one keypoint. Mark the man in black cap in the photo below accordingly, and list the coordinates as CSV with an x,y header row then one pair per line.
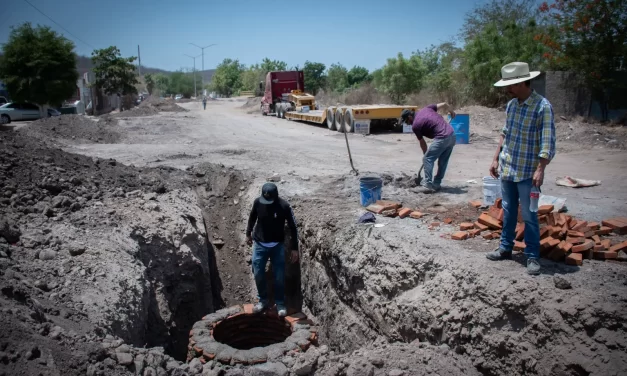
x,y
270,212
428,123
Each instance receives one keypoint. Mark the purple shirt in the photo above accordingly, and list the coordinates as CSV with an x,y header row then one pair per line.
x,y
428,123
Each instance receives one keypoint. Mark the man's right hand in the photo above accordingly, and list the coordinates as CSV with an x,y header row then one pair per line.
x,y
494,169
249,240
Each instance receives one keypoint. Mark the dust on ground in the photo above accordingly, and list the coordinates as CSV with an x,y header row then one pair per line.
x,y
151,106
74,129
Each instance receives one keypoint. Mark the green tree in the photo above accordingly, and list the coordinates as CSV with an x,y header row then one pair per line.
x,y
150,82
499,14
38,65
314,76
227,79
114,73
492,48
588,37
357,75
337,77
162,83
401,76
256,73
442,65
182,83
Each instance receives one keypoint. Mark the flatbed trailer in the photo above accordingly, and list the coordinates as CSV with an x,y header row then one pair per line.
x,y
358,118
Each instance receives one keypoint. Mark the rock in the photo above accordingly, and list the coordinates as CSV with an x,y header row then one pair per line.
x,y
150,196
360,368
75,206
56,332
47,254
149,371
274,178
125,359
41,285
48,212
561,283
200,174
124,348
305,178
160,189
10,232
33,353
77,250
396,372
268,369
376,361
622,256
195,366
139,364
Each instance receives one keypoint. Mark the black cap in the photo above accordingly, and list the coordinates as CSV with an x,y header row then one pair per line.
x,y
406,113
269,193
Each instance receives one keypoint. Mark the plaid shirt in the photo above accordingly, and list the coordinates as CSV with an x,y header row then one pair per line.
x,y
529,135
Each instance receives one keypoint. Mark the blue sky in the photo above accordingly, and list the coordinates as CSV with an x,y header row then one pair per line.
x,y
354,32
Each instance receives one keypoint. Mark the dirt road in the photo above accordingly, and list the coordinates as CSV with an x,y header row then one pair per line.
x,y
226,134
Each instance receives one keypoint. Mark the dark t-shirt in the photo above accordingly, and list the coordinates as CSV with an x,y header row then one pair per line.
x,y
428,123
266,223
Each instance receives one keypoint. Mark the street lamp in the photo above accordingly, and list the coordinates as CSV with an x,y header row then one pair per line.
x,y
202,78
194,58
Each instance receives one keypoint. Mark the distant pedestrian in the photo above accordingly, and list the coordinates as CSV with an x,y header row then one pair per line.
x,y
265,232
204,102
527,145
428,123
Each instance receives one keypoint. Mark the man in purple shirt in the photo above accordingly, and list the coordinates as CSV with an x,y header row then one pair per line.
x,y
428,123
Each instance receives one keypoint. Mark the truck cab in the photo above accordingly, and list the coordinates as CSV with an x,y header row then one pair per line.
x,y
279,85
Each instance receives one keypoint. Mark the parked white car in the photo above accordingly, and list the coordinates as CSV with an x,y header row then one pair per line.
x,y
22,111
178,96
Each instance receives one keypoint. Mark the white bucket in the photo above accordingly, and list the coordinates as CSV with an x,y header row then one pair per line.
x,y
491,190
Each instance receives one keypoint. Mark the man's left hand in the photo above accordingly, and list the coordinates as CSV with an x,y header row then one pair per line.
x,y
452,114
294,257
538,177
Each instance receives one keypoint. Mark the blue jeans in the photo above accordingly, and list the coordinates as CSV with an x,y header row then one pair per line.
x,y
276,255
512,193
440,149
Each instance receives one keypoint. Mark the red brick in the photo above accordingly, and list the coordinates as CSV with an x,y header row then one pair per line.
x,y
550,220
618,225
520,231
465,226
416,215
378,209
556,254
480,226
594,225
581,225
574,259
544,232
474,232
389,204
575,234
564,231
545,243
488,236
248,308
542,219
598,248
390,213
606,243
434,224
519,246
589,244
596,239
560,220
490,222
604,230
554,231
459,235
498,203
567,247
602,255
447,221
545,209
575,240
619,247
404,212
589,233
494,212
475,203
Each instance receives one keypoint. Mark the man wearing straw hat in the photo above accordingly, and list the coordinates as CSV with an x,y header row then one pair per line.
x,y
526,147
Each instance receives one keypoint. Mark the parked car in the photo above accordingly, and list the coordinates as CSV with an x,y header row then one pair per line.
x,y
22,111
3,100
178,96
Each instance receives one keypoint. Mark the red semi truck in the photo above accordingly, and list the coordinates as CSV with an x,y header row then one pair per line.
x,y
278,85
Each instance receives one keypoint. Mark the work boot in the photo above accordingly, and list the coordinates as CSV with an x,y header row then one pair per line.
x,y
499,254
282,311
259,307
533,266
428,188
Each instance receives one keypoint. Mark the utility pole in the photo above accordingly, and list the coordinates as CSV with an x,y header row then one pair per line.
x,y
194,73
202,78
139,59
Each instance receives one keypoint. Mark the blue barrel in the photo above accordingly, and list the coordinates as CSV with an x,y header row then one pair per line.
x,y
370,188
461,126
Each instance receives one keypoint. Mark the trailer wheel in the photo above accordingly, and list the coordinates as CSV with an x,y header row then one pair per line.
x,y
282,111
263,113
349,120
338,120
331,118
277,106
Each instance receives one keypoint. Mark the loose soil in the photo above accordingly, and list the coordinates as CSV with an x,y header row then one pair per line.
x,y
104,266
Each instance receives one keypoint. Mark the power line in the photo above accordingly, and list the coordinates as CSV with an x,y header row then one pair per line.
x,y
56,23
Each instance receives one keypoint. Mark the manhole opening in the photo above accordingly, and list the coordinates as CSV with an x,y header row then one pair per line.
x,y
245,332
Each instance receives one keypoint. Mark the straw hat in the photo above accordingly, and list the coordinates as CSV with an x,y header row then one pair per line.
x,y
514,73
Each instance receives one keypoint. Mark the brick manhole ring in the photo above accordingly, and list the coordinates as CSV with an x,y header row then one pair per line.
x,y
235,335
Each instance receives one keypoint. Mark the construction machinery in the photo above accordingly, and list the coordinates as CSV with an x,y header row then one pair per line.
x,y
278,86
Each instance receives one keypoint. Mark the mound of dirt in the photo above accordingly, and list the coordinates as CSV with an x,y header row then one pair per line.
x,y
161,105
74,127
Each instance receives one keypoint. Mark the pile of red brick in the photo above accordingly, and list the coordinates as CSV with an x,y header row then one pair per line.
x,y
562,237
393,209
